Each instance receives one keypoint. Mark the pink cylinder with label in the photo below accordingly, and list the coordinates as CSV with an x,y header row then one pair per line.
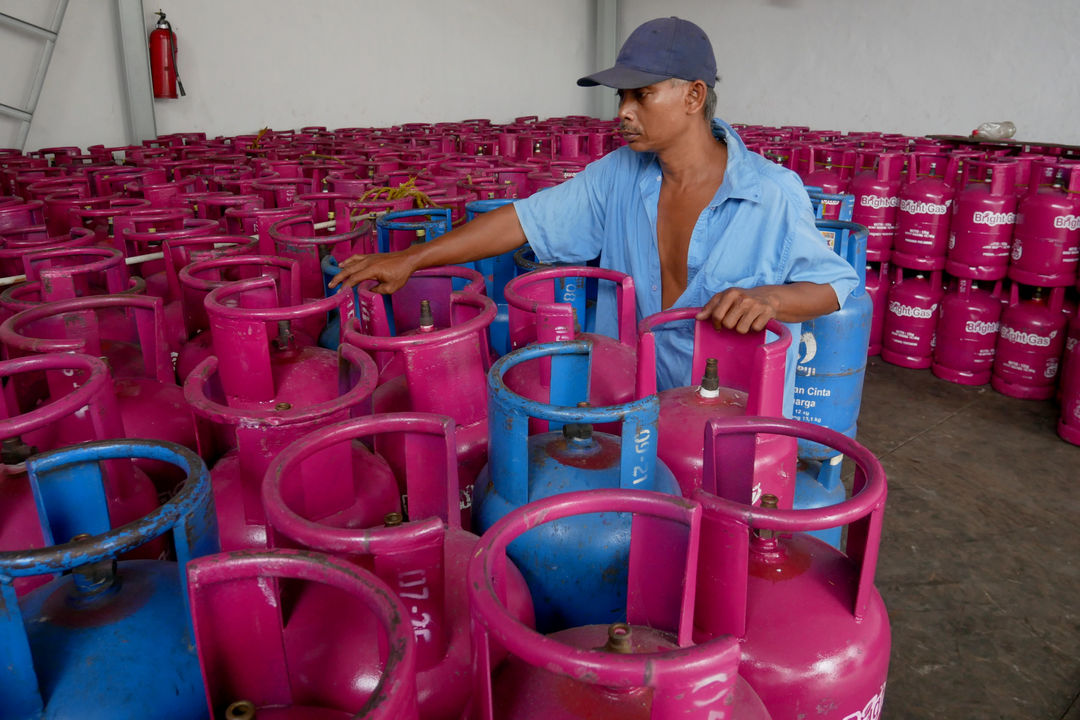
x,y
911,318
1069,423
876,188
922,226
877,287
1046,241
967,333
1030,343
982,221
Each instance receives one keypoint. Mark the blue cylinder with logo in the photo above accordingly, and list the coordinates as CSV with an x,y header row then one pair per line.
x,y
576,568
829,376
497,271
108,638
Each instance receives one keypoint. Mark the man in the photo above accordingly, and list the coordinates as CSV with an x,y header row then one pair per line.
x,y
685,209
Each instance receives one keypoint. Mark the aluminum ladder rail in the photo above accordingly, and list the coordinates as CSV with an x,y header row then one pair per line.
x,y
48,35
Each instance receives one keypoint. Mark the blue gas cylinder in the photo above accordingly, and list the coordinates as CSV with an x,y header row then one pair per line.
x,y
399,229
580,292
831,369
497,271
576,568
112,639
817,485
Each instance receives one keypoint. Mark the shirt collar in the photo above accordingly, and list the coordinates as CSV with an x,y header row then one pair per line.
x,y
741,180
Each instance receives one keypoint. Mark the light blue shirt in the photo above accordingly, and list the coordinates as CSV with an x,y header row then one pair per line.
x,y
757,230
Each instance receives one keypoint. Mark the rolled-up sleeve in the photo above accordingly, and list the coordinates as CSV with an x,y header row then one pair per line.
x,y
565,223
810,259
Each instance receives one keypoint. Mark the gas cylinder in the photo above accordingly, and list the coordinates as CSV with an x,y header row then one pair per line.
x,y
922,227
832,351
643,666
257,222
179,253
298,237
1046,239
983,216
199,278
422,554
497,272
1069,423
112,638
69,272
150,240
265,390
253,661
967,332
101,218
433,356
911,318
814,630
1029,344
575,569
549,306
841,205
22,214
150,402
16,243
741,374
876,188
399,229
877,287
830,169
52,401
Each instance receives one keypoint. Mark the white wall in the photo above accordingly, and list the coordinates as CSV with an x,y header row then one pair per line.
x,y
911,66
247,64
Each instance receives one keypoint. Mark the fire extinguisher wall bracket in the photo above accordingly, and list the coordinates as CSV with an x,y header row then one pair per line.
x,y
163,69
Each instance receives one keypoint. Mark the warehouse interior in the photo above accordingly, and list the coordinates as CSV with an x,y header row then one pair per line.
x,y
978,563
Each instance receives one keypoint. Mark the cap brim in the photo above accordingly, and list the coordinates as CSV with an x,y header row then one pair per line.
x,y
621,78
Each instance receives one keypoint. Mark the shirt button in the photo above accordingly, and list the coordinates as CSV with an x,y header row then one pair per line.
x,y
655,288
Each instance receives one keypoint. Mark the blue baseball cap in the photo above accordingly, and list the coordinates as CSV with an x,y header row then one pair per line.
x,y
659,50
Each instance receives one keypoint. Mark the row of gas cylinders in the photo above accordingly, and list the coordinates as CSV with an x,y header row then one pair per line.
x,y
980,213
340,524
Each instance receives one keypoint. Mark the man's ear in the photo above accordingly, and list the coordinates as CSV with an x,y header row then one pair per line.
x,y
696,93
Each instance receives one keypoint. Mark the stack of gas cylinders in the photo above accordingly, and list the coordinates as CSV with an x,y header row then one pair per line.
x,y
972,252
228,490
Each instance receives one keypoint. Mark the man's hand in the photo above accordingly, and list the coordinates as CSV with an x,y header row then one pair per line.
x,y
391,270
746,309
740,309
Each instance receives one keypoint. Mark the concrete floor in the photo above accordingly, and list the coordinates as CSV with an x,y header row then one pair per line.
x,y
980,558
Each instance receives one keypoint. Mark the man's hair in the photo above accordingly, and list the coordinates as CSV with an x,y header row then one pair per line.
x,y
709,110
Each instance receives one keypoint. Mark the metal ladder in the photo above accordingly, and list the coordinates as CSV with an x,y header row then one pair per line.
x,y
48,35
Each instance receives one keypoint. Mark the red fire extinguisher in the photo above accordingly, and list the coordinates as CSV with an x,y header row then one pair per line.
x,y
163,72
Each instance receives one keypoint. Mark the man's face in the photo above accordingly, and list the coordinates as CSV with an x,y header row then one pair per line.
x,y
651,117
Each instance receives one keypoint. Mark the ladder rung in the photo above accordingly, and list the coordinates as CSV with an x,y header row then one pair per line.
x,y
15,112
17,24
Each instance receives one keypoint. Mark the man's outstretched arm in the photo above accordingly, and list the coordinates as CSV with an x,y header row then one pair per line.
x,y
746,309
490,234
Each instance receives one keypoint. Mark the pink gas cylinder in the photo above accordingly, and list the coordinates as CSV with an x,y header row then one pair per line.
x,y
151,404
813,628
257,222
258,663
967,332
152,220
279,192
213,207
1069,423
22,214
926,196
983,216
68,399
17,242
423,558
1030,343
740,374
911,318
298,238
69,272
269,391
1046,240
645,667
830,168
150,239
58,207
178,254
433,355
100,219
550,306
876,187
199,278
877,287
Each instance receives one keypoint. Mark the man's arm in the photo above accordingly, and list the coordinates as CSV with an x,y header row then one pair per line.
x,y
743,310
487,235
